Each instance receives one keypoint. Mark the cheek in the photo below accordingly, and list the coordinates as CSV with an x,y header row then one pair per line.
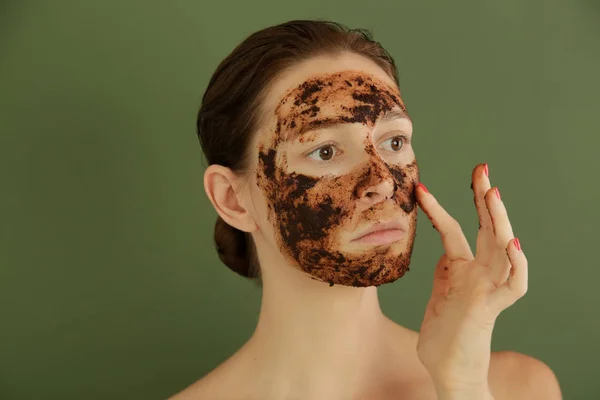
x,y
310,210
406,177
316,203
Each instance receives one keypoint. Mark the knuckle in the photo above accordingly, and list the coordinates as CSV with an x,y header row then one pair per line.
x,y
454,225
521,290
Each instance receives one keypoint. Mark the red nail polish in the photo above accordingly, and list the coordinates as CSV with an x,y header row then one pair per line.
x,y
487,172
517,244
498,193
423,186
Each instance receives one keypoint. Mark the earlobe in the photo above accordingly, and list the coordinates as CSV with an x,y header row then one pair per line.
x,y
222,188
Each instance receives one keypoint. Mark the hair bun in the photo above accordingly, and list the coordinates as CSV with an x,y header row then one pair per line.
x,y
232,247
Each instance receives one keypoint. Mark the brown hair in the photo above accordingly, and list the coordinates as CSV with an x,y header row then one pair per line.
x,y
229,114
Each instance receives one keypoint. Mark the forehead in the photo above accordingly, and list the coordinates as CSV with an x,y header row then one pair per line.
x,y
324,68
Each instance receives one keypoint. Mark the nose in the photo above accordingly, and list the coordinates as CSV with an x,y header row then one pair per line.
x,y
377,185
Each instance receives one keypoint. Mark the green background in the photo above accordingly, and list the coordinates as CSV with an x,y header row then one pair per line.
x,y
110,287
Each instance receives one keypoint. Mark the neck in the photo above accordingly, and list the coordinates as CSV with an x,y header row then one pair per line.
x,y
317,341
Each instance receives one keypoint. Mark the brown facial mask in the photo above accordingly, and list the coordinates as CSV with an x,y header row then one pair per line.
x,y
308,213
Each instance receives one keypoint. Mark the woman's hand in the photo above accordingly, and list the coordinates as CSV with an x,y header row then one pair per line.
x,y
469,292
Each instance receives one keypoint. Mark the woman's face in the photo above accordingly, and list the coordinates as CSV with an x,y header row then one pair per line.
x,y
333,158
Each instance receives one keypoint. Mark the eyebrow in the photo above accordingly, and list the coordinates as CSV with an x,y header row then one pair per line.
x,y
332,123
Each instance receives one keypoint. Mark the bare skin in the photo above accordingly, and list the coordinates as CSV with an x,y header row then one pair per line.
x,y
318,341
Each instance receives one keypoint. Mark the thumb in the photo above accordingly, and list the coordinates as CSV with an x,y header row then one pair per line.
x,y
441,277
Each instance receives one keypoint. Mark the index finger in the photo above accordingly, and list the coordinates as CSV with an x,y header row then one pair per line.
x,y
454,241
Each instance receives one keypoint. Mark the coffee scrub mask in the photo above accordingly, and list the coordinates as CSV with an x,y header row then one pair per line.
x,y
310,214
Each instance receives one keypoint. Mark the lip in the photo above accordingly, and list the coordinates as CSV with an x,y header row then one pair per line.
x,y
381,233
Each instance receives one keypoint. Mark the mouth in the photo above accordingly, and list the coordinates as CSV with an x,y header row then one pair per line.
x,y
381,233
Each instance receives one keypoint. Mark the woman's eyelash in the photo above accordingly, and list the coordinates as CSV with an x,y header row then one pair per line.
x,y
336,151
405,140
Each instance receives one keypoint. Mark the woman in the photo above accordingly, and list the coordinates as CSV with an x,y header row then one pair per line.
x,y
312,173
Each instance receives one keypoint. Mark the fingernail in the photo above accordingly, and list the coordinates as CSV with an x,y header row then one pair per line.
x,y
423,186
487,171
498,193
517,244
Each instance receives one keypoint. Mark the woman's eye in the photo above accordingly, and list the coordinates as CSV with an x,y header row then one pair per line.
x,y
396,142
324,153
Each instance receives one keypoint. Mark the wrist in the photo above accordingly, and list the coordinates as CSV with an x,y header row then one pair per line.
x,y
468,393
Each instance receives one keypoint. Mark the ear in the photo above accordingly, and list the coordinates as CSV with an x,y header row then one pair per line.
x,y
222,188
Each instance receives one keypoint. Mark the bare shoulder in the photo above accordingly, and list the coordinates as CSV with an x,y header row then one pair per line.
x,y
220,383
206,387
518,376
